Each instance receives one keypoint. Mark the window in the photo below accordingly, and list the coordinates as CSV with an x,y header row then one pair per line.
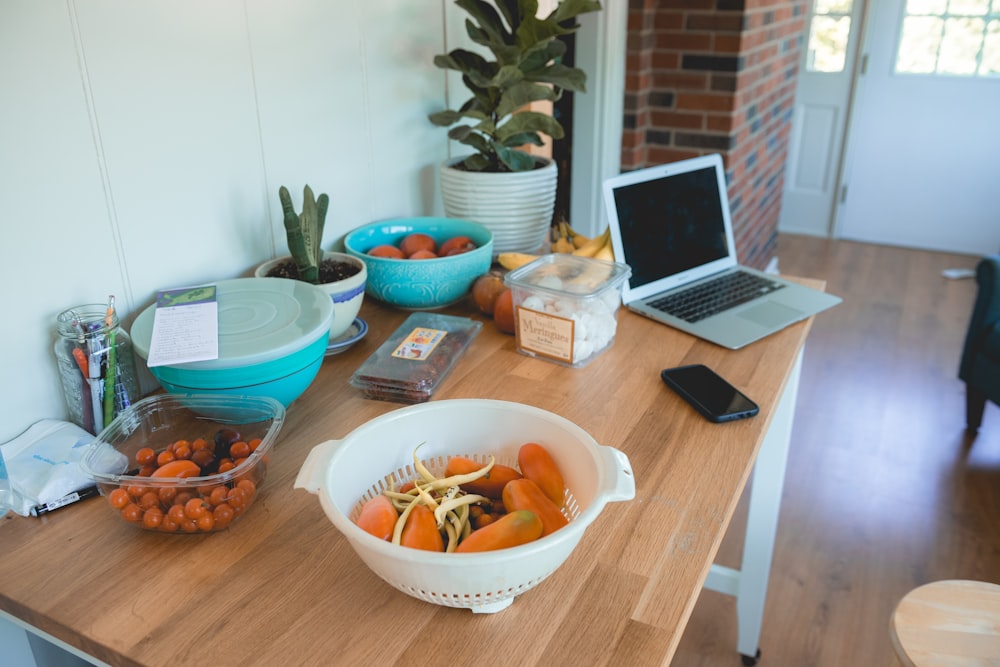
x,y
828,33
950,37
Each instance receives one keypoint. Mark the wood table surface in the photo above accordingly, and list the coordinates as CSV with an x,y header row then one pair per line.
x,y
282,586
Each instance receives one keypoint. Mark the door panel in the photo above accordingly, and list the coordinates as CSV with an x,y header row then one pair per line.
x,y
822,100
923,165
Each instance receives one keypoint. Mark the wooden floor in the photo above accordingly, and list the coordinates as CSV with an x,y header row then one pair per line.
x,y
883,491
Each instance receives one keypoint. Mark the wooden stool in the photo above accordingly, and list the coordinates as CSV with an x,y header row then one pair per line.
x,y
948,623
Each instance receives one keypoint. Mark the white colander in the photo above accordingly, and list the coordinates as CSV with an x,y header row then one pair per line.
x,y
345,473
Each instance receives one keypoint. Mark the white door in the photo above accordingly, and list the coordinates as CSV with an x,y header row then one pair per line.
x,y
822,103
924,154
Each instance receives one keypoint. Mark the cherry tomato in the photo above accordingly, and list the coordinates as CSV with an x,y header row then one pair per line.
x,y
239,450
223,515
118,498
152,518
131,512
145,456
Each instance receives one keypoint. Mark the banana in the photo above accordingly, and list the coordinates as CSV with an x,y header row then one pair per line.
x,y
590,248
561,239
576,238
514,260
605,252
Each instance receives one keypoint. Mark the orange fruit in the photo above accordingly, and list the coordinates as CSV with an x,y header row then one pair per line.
x,y
423,254
503,311
456,245
485,291
387,250
417,241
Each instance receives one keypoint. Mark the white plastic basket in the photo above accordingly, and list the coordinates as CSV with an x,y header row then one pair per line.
x,y
345,473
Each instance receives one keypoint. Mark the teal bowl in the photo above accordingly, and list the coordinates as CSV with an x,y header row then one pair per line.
x,y
273,335
421,284
282,379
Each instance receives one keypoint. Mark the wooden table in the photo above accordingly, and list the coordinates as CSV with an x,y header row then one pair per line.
x,y
284,587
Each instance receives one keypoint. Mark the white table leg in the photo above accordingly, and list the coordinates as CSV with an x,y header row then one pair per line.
x,y
749,583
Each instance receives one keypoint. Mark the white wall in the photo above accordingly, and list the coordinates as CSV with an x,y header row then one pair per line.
x,y
142,145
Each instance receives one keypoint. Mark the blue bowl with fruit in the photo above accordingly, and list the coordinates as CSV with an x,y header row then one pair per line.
x,y
422,263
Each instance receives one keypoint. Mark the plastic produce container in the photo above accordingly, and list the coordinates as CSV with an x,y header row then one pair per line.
x,y
566,307
185,425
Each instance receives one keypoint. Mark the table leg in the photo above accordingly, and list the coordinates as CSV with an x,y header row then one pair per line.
x,y
749,583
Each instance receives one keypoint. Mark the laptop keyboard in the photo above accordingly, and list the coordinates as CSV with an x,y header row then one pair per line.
x,y
715,296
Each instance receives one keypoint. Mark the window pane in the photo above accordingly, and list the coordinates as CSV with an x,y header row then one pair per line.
x,y
991,50
969,7
833,7
960,46
927,6
919,45
828,43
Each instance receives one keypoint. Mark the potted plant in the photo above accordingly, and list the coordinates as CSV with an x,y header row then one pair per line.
x,y
340,275
500,185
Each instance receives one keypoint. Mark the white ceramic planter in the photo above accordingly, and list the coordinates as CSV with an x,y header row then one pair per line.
x,y
346,295
517,207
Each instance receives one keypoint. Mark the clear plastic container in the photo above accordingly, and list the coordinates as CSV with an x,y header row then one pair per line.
x,y
566,307
228,480
96,365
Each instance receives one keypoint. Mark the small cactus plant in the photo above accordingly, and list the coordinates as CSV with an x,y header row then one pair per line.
x,y
305,231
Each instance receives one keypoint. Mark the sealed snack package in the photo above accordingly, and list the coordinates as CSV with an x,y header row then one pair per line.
x,y
410,365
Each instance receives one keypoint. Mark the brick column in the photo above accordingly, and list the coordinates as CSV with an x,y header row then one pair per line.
x,y
717,76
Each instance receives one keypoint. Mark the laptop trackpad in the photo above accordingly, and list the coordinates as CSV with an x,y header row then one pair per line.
x,y
770,314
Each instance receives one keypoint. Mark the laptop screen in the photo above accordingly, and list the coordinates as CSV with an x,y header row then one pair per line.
x,y
670,224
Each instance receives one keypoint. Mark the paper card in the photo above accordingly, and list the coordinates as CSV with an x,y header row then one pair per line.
x,y
185,326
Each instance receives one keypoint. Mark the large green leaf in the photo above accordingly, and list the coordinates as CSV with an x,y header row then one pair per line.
x,y
523,138
489,22
444,118
479,162
515,160
507,76
524,92
466,62
530,121
540,55
570,78
568,9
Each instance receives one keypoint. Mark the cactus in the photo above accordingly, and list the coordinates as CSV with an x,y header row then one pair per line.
x,y
305,231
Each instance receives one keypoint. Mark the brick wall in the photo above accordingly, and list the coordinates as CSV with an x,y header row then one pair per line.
x,y
717,76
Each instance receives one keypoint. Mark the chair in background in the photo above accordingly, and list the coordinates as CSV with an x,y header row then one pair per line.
x,y
980,366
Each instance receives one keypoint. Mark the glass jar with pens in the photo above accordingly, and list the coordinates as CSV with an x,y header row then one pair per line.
x,y
95,364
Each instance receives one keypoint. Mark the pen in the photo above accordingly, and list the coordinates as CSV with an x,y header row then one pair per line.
x,y
69,499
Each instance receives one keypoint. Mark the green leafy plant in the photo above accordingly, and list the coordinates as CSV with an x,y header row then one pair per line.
x,y
527,68
305,231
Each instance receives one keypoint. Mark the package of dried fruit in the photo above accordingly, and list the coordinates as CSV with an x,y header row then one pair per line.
x,y
411,364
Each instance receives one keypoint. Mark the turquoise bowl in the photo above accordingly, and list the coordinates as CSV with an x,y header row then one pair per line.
x,y
421,284
273,335
282,379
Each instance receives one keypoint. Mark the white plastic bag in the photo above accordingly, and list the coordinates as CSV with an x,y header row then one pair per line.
x,y
43,463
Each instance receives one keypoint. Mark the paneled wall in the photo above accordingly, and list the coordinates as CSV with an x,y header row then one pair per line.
x,y
717,76
142,146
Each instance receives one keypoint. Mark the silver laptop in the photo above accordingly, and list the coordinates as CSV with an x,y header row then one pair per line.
x,y
671,225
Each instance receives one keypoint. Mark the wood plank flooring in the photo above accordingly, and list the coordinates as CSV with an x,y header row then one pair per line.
x,y
883,491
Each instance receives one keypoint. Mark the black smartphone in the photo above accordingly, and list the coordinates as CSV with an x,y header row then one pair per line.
x,y
709,393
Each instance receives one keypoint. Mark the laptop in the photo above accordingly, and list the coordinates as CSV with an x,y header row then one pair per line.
x,y
671,225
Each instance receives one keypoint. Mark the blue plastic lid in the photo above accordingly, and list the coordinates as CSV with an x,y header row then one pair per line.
x,y
260,320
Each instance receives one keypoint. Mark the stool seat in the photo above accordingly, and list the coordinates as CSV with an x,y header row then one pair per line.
x,y
948,623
